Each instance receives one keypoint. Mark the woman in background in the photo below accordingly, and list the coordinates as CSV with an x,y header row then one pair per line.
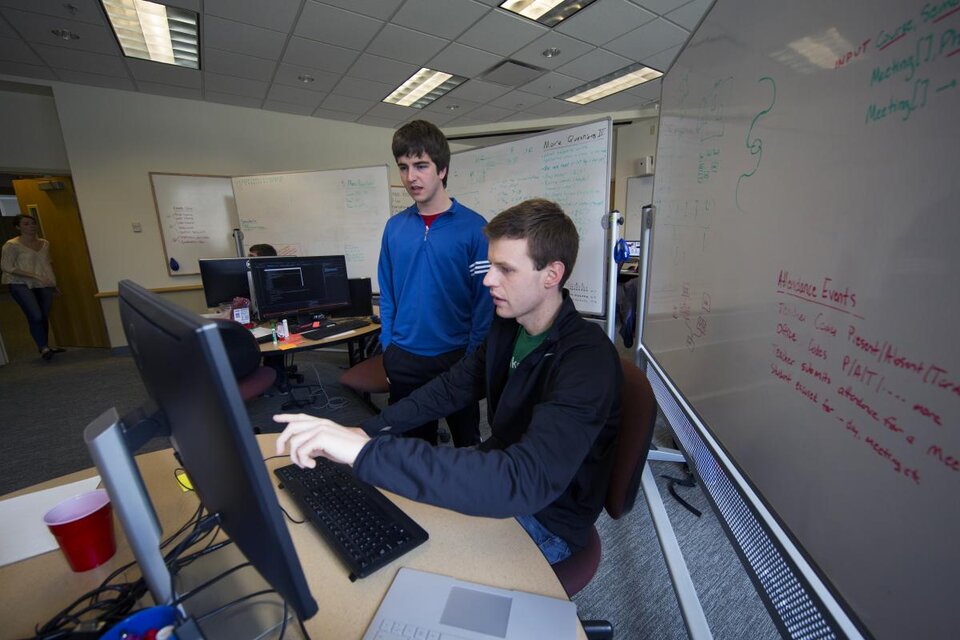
x,y
25,262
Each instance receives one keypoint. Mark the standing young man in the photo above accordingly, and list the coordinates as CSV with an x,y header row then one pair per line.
x,y
433,307
552,382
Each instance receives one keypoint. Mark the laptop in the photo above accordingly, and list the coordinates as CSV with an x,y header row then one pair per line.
x,y
430,606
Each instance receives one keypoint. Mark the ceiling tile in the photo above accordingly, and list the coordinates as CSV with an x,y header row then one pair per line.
x,y
375,121
662,61
317,55
393,111
570,48
549,108
164,73
660,7
16,50
218,83
61,58
336,26
649,39
479,91
295,95
286,107
81,10
26,70
405,44
379,69
330,114
235,100
289,74
689,15
238,37
236,64
360,88
551,84
348,104
36,28
381,9
619,102
463,60
648,90
446,19
277,15
604,20
517,100
502,33
465,121
170,91
595,64
96,80
443,104
490,113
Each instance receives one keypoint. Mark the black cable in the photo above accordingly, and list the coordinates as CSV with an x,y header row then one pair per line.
x,y
291,518
234,603
283,627
303,629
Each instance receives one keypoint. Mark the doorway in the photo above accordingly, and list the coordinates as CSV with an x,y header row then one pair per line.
x,y
76,319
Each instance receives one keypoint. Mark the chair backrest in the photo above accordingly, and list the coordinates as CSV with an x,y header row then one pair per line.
x,y
638,414
367,376
241,346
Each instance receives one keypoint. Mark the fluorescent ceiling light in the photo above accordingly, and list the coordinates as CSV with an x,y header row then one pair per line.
x,y
615,82
546,12
156,32
423,87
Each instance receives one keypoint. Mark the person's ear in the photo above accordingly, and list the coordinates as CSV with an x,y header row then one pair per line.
x,y
442,174
553,274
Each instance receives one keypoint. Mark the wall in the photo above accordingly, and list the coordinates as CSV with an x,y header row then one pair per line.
x,y
115,138
633,142
30,130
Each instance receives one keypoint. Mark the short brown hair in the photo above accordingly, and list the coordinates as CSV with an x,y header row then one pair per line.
x,y
550,233
420,138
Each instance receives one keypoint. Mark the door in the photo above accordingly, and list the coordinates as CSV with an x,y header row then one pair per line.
x,y
77,318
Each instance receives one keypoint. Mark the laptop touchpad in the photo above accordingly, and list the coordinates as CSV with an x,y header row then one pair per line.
x,y
477,611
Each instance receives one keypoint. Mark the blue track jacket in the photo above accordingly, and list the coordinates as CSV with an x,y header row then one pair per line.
x,y
432,298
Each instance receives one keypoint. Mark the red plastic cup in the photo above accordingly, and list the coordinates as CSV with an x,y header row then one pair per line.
x,y
83,527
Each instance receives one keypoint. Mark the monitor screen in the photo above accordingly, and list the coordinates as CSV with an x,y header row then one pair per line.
x,y
291,285
186,372
224,279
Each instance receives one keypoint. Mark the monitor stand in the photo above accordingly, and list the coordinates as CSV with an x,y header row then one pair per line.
x,y
112,442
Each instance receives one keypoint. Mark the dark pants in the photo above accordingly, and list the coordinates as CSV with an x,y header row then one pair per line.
x,y
36,305
408,372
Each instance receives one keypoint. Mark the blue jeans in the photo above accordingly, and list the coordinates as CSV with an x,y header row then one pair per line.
x,y
553,547
36,305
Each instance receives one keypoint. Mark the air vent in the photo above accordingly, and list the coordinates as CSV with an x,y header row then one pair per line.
x,y
511,73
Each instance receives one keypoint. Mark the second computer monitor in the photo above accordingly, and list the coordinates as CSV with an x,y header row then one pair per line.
x,y
224,279
299,285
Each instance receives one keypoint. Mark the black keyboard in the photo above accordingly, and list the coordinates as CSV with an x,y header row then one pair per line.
x,y
332,328
365,529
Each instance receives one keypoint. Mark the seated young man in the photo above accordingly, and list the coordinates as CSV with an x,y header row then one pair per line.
x,y
552,382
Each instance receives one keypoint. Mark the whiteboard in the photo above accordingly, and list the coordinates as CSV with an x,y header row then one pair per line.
x,y
569,166
197,216
803,284
399,199
312,213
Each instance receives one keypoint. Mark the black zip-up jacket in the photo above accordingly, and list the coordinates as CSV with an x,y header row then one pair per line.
x,y
553,424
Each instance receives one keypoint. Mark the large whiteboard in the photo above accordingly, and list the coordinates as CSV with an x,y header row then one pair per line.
x,y
197,216
569,166
339,211
804,282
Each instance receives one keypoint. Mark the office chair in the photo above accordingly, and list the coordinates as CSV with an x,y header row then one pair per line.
x,y
253,379
638,414
366,377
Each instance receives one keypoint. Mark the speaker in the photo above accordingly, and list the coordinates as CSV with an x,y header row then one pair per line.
x,y
361,299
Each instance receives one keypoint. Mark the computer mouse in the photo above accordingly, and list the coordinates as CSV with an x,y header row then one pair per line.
x,y
375,319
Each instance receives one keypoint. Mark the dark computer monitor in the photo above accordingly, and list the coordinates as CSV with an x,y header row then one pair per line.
x,y
187,374
292,286
361,299
224,279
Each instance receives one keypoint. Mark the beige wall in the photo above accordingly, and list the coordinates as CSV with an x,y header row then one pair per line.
x,y
115,138
30,131
634,141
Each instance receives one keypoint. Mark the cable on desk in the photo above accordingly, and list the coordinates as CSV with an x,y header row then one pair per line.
x,y
189,594
233,603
